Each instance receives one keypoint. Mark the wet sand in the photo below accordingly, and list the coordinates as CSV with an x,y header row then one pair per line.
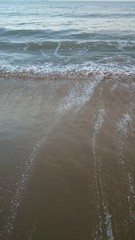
x,y
67,167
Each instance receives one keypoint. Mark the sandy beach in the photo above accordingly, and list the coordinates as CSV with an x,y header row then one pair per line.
x,y
67,168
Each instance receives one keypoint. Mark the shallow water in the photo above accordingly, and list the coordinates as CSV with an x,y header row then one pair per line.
x,y
67,157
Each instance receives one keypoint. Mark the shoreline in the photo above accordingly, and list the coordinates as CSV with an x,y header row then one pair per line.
x,y
73,148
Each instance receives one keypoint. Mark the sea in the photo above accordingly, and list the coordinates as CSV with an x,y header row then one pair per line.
x,y
67,120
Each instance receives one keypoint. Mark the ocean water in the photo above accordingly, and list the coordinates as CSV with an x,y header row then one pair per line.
x,y
55,36
67,120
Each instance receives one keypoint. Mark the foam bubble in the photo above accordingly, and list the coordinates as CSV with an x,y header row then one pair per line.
x,y
122,129
78,95
122,124
51,68
108,224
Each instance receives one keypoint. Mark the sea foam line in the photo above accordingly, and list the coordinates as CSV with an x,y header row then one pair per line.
x,y
57,49
122,124
75,98
79,94
122,127
58,68
22,184
101,196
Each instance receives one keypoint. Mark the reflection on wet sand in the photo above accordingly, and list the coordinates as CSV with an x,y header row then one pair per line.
x,y
67,166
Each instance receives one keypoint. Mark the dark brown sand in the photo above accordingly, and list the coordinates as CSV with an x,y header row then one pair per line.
x,y
67,166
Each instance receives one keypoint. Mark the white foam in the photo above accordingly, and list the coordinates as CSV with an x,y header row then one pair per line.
x,y
122,128
122,124
96,129
57,49
79,95
108,224
130,179
122,44
22,184
101,196
99,121
85,68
